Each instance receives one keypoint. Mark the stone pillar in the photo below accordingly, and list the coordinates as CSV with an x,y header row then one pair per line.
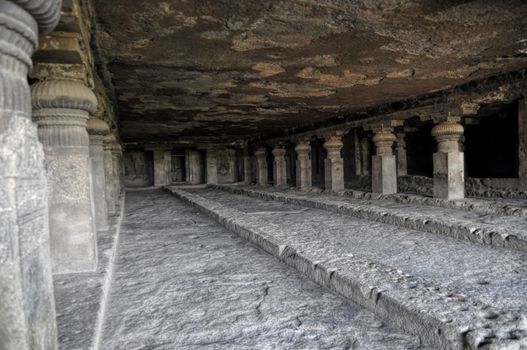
x,y
384,169
212,166
303,165
334,164
280,167
400,149
449,168
27,309
522,143
109,142
365,151
247,168
97,129
61,109
162,164
357,153
117,161
194,167
261,166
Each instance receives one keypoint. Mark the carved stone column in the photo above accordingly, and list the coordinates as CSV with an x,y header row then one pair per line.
x,y
449,168
303,165
117,162
27,310
261,166
334,164
212,166
365,151
61,109
97,129
194,167
280,167
247,168
384,170
162,164
400,149
109,142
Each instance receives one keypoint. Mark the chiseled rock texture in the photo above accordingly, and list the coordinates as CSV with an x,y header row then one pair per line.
x,y
453,294
184,282
258,67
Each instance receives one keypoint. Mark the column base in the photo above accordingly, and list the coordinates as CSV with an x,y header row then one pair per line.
x,y
384,174
449,175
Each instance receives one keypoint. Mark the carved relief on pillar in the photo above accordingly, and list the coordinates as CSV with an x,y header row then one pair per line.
x,y
27,311
61,108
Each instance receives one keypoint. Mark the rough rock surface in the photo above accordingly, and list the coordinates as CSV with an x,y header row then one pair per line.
x,y
183,281
455,295
218,70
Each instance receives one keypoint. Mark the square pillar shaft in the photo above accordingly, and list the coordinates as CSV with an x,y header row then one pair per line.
x,y
261,166
303,166
334,164
384,168
162,164
400,149
212,167
280,167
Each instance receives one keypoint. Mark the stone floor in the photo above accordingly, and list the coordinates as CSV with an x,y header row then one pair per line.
x,y
480,288
182,281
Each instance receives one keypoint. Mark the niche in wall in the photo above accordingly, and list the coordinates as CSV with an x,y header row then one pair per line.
x,y
138,168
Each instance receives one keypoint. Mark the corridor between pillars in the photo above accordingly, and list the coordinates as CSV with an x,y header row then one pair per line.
x,y
384,172
334,164
61,109
449,163
27,310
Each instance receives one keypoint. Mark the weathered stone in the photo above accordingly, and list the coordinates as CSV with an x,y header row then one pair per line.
x,y
212,166
400,148
261,166
109,142
384,170
279,167
449,164
334,166
194,167
303,165
162,164
97,129
61,109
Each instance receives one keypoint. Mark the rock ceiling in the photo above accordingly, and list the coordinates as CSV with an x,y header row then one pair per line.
x,y
213,70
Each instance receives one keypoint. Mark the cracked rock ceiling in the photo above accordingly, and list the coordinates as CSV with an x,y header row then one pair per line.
x,y
222,70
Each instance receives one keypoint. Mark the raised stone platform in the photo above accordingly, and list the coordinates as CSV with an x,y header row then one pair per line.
x,y
451,293
182,281
474,226
80,298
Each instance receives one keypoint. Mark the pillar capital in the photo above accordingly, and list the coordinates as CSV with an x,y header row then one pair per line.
x,y
302,148
63,94
109,141
333,145
260,152
384,139
96,126
447,134
278,151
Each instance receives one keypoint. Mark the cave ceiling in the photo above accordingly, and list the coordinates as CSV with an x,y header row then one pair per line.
x,y
223,70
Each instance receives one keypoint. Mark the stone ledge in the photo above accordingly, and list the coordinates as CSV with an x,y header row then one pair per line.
x,y
440,318
469,231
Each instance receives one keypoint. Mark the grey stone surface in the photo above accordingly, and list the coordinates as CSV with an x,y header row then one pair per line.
x,y
80,298
184,282
162,161
489,229
61,108
384,174
97,129
194,167
212,166
456,295
27,313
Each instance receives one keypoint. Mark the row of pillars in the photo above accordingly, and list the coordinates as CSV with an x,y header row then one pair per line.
x,y
386,165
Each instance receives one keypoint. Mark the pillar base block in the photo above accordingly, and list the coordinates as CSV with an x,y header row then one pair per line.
x,y
449,175
384,174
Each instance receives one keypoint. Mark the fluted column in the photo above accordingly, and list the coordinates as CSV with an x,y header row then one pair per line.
x,y
261,166
400,149
365,151
334,164
212,166
61,109
279,168
97,129
449,167
109,142
303,165
27,310
384,169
